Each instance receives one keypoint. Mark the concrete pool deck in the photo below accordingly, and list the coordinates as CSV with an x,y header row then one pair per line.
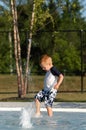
x,y
55,105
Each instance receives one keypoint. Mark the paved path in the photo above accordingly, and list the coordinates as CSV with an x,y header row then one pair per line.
x,y
55,105
14,104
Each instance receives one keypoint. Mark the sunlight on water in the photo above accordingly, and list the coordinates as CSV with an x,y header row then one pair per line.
x,y
26,115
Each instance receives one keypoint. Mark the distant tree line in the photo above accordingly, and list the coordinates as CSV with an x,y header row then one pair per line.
x,y
51,17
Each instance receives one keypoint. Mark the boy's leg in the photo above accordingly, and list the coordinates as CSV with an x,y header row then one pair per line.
x,y
38,99
37,107
49,111
49,101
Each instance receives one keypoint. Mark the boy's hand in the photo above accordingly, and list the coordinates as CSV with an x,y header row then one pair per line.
x,y
53,90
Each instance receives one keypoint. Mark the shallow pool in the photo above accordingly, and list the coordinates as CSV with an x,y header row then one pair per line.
x,y
60,121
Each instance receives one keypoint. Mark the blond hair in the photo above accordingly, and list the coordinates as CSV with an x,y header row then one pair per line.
x,y
45,59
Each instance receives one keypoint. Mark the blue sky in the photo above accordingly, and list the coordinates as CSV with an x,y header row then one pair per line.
x,y
84,10
83,3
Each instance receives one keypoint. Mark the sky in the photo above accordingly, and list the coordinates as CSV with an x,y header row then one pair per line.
x,y
84,10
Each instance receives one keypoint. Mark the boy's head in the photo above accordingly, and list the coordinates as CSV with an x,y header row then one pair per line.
x,y
46,62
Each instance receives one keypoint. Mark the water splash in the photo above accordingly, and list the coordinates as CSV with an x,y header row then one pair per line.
x,y
26,115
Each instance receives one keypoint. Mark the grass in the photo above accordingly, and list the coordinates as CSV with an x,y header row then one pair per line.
x,y
71,84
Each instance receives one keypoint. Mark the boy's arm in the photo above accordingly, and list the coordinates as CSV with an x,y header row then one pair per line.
x,y
60,79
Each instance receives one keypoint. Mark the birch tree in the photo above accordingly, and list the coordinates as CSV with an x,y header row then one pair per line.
x,y
22,81
29,48
17,50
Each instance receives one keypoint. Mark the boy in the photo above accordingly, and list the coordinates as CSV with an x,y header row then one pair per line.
x,y
52,81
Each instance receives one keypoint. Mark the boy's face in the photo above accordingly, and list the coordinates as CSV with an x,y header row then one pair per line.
x,y
45,66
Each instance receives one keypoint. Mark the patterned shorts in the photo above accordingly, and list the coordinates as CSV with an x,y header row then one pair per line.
x,y
47,97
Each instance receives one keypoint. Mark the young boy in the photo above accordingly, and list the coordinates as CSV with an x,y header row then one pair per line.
x,y
52,81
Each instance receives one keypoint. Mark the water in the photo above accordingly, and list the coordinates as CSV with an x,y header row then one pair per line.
x,y
60,121
26,115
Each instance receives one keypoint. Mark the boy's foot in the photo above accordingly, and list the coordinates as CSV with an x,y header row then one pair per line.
x,y
38,115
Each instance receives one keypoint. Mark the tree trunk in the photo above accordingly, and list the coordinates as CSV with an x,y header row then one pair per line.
x,y
17,50
29,49
22,86
10,42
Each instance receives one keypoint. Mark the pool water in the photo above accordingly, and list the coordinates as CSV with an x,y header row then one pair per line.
x,y
9,120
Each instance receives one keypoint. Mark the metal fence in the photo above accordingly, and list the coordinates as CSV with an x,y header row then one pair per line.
x,y
6,37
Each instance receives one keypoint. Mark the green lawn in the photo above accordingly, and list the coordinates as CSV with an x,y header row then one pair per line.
x,y
8,88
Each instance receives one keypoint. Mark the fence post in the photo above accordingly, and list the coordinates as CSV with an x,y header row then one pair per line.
x,y
81,37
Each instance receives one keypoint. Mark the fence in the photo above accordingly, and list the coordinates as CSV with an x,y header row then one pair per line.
x,y
72,79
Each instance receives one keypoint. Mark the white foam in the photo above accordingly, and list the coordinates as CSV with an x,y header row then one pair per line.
x,y
26,115
25,119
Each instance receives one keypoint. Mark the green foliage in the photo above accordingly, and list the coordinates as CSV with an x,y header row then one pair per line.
x,y
50,17
68,56
4,55
24,16
41,15
71,59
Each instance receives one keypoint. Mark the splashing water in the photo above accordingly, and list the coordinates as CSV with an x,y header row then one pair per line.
x,y
26,115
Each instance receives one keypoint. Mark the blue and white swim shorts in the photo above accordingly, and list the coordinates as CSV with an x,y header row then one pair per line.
x,y
47,97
